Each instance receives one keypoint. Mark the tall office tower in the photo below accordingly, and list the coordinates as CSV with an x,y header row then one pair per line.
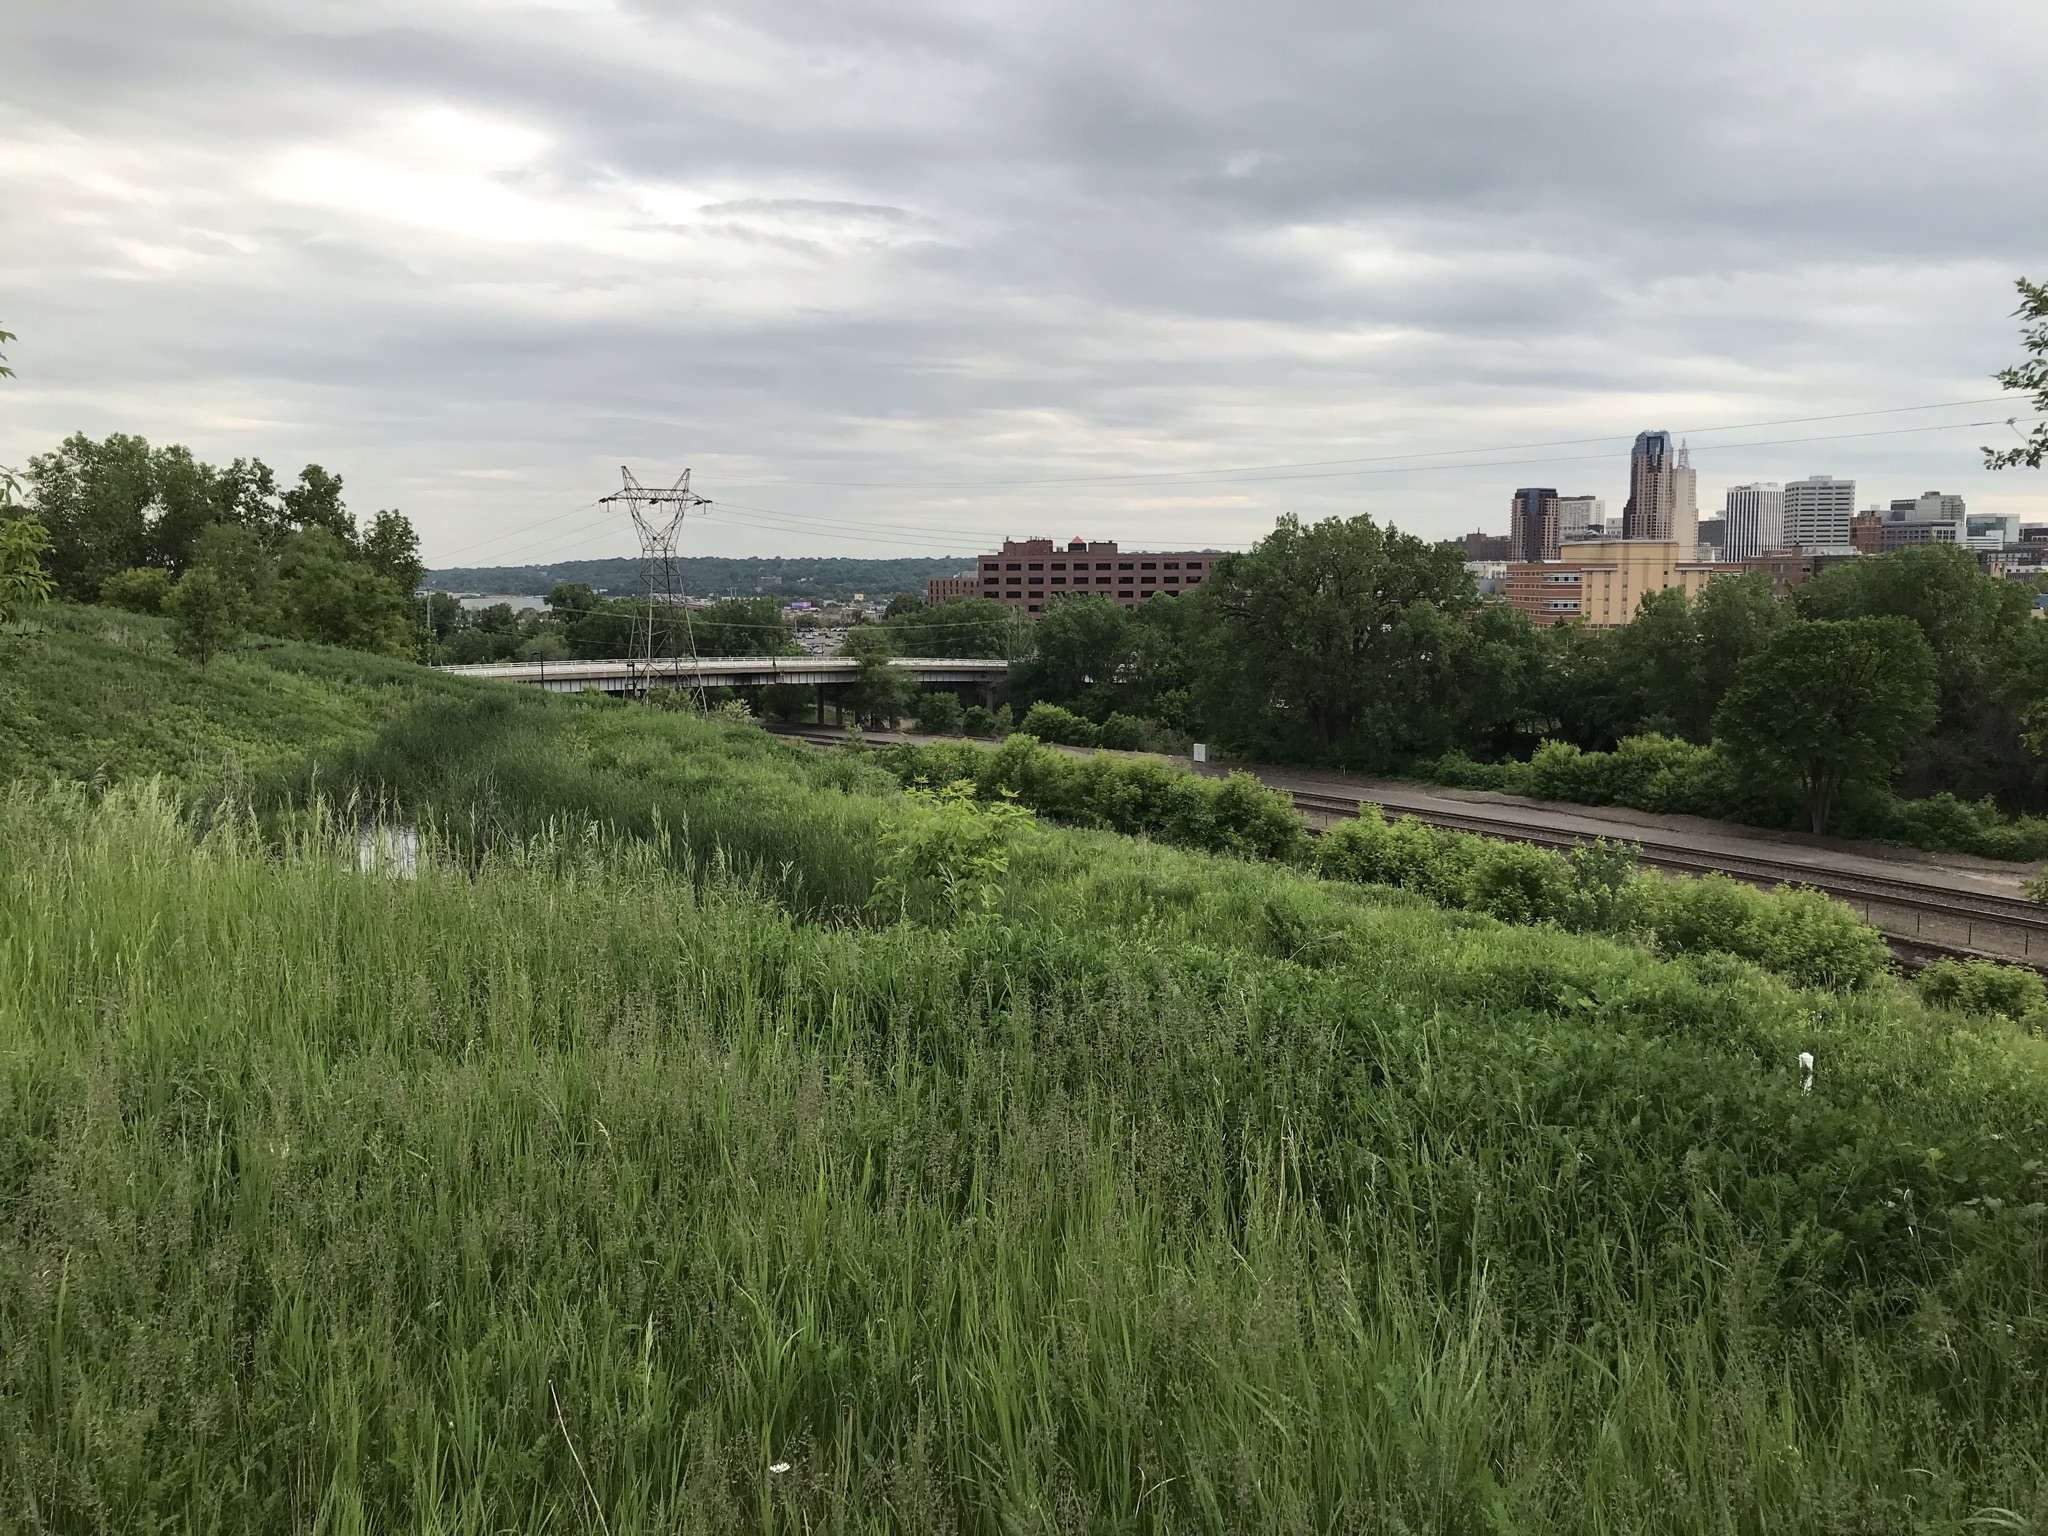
x,y
1756,520
1685,505
1580,516
1533,525
1817,512
1651,488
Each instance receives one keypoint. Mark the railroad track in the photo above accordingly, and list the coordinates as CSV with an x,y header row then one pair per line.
x,y
1921,920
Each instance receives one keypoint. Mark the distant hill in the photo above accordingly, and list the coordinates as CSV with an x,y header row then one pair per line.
x,y
708,576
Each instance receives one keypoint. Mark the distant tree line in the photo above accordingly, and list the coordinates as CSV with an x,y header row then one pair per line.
x,y
814,578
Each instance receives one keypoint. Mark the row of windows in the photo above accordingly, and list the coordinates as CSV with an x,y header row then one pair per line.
x,y
1082,581
1100,565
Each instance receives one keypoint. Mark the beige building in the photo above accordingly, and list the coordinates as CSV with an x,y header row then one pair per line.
x,y
1601,584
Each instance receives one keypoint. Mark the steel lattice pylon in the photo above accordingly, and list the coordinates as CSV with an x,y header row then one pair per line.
x,y
658,518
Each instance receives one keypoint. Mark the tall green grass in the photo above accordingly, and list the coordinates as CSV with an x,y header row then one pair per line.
x,y
1189,1196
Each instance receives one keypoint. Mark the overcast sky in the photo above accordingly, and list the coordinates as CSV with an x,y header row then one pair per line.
x,y
905,276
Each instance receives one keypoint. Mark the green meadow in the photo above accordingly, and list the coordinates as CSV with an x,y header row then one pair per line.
x,y
429,1106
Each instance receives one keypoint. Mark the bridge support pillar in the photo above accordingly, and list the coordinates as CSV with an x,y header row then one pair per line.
x,y
821,703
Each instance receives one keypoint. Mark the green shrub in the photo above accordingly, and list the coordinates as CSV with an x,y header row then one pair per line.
x,y
1982,986
1122,732
1237,815
976,721
790,703
139,589
1062,727
938,713
1796,933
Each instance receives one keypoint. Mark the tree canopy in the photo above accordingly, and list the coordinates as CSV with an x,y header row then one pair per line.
x,y
2030,374
1833,703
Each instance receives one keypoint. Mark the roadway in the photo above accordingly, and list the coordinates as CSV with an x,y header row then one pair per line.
x,y
629,676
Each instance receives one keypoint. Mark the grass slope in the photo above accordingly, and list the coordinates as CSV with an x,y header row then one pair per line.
x,y
1188,1194
99,696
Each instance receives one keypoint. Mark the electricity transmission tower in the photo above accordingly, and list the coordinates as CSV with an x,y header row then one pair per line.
x,y
658,518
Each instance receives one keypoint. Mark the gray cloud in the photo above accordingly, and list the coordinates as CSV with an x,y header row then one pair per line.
x,y
903,275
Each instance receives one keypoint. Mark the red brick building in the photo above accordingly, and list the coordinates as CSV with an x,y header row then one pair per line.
x,y
938,588
1029,573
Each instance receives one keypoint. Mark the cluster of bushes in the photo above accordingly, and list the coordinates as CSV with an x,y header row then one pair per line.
x,y
1062,727
1667,774
1984,986
1797,933
1236,815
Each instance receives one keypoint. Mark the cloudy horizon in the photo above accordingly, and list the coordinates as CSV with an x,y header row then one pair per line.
x,y
911,277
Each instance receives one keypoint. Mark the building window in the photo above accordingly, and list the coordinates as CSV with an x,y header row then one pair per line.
x,y
1059,581
1173,581
1102,581
1035,566
1013,566
1014,581
1173,565
1122,565
1193,579
1038,581
1033,608
1148,565
1151,581
1194,565
1059,565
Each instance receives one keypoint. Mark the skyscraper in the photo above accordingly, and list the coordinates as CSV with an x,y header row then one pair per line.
x,y
1756,520
1533,524
1581,517
1652,488
1817,512
1685,505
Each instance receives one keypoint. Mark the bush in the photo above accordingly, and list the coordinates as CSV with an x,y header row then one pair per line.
x,y
1799,934
139,589
1982,986
1123,733
1236,815
791,703
937,713
976,721
1062,727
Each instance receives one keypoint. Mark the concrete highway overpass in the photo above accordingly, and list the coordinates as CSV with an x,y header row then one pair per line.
x,y
630,676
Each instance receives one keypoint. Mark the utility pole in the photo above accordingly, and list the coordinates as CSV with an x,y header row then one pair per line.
x,y
658,519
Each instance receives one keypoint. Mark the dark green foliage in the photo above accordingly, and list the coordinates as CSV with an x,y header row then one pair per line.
x,y
789,702
1830,705
207,614
880,693
140,589
976,721
938,713
959,626
1120,732
754,626
1060,727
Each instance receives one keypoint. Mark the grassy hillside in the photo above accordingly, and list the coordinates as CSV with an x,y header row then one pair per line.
x,y
628,1158
98,695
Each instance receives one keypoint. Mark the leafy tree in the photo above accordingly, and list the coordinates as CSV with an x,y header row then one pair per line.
x,y
140,589
243,560
742,626
315,502
391,549
2029,375
1830,703
24,543
206,613
5,371
1334,640
444,615
1083,643
570,598
960,626
938,713
880,693
902,603
329,597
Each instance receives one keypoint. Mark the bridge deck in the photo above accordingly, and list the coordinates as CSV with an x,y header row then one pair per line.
x,y
627,676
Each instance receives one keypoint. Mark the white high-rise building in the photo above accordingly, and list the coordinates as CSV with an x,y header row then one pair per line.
x,y
1756,520
1685,505
1817,512
1580,518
